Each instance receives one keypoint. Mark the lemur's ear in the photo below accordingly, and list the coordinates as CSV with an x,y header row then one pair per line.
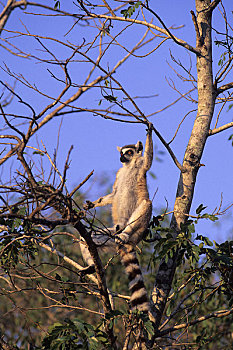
x,y
139,146
119,149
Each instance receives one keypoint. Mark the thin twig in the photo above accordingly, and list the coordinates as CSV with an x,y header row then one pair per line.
x,y
182,169
81,184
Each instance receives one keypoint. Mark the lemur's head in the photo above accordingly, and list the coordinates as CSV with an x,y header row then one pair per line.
x,y
129,152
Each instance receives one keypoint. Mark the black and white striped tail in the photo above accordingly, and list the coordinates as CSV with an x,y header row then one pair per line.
x,y
139,299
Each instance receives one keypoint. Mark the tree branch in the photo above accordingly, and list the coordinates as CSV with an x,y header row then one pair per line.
x,y
224,88
198,37
5,14
65,258
214,4
169,34
221,128
152,26
217,314
177,163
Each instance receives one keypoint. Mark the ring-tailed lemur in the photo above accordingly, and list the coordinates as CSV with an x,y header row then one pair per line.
x,y
131,213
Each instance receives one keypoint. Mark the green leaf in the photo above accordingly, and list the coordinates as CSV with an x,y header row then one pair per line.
x,y
39,182
210,217
17,222
39,152
152,174
149,327
208,242
22,211
57,5
138,4
191,228
200,208
131,9
229,108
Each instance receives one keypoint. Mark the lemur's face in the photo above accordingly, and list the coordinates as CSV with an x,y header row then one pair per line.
x,y
128,152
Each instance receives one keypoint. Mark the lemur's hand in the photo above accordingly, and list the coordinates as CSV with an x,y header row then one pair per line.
x,y
149,128
88,205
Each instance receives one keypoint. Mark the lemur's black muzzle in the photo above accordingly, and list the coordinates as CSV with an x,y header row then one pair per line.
x,y
123,159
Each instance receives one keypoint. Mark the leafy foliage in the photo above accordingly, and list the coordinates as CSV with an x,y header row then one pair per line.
x,y
131,9
170,244
73,335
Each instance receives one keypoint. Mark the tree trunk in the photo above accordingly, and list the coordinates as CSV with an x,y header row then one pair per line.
x,y
194,150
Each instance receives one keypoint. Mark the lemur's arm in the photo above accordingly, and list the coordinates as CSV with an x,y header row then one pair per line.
x,y
148,153
102,201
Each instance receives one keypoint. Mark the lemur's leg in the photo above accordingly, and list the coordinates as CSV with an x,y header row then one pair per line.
x,y
137,224
131,235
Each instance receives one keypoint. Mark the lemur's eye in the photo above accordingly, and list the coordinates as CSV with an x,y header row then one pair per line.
x,y
129,152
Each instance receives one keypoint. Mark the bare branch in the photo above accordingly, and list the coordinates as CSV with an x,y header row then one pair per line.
x,y
168,32
152,26
216,314
81,184
221,128
180,125
194,18
108,7
5,14
179,166
53,250
214,4
224,88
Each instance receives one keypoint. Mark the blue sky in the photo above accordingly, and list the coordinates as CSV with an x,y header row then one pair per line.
x,y
95,139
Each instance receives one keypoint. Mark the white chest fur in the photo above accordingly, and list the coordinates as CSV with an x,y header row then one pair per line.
x,y
125,198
